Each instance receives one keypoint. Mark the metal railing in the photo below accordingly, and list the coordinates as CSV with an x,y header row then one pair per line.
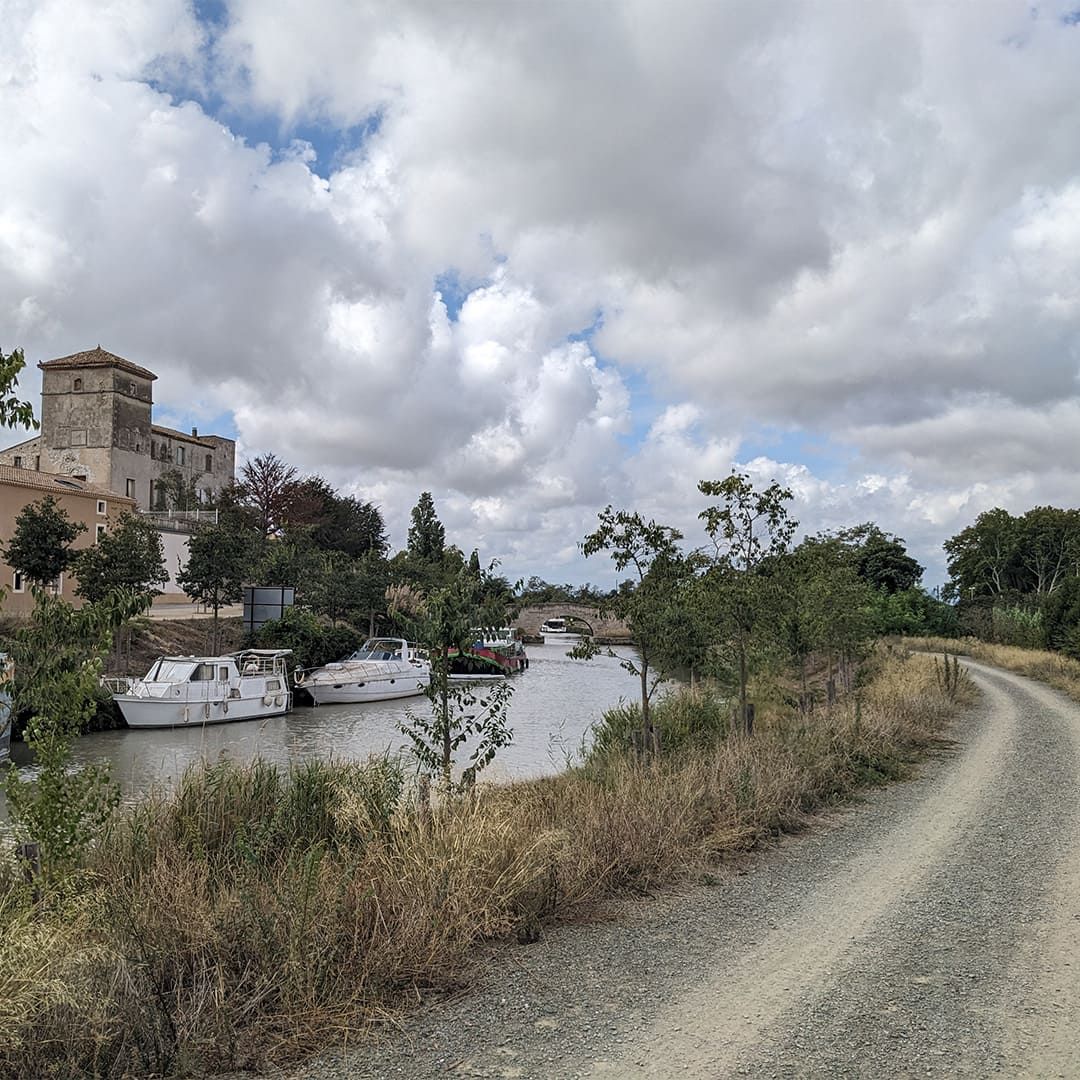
x,y
180,520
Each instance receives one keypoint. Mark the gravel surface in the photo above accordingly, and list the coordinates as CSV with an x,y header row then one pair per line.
x,y
932,930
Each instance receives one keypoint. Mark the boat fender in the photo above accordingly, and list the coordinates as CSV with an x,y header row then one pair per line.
x,y
268,700
298,678
225,707
279,700
206,710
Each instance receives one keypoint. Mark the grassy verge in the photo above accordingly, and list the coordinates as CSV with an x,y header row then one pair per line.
x,y
1052,668
254,916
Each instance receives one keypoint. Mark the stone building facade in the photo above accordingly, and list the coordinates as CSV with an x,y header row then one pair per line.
x,y
96,426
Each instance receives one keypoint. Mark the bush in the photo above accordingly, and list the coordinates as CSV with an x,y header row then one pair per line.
x,y
684,718
312,641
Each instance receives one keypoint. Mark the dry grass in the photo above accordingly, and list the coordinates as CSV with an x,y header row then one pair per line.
x,y
1052,668
255,916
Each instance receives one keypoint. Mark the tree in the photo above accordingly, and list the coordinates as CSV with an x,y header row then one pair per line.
x,y
427,537
219,561
1049,547
40,546
459,712
174,491
57,656
750,530
13,412
983,559
651,604
882,560
267,485
353,527
1061,617
128,556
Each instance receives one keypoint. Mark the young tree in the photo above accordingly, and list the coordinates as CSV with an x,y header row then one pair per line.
x,y
654,605
750,531
40,546
459,712
57,656
427,537
219,561
128,556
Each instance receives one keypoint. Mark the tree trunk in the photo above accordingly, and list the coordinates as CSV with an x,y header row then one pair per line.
x,y
742,687
646,724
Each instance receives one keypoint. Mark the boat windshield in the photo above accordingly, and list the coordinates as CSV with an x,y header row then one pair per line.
x,y
172,671
378,649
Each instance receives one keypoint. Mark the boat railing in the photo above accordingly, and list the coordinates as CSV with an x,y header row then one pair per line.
x,y
260,664
117,684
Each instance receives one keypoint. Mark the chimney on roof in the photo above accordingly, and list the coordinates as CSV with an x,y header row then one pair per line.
x,y
195,432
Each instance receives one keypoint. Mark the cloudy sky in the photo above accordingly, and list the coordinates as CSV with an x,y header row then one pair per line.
x,y
539,257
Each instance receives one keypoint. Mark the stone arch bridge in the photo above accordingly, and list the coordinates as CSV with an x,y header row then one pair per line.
x,y
606,629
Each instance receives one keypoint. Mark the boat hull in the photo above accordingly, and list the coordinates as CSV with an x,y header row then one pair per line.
x,y
145,712
351,691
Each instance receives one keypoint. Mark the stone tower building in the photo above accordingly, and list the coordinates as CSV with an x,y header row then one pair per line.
x,y
96,425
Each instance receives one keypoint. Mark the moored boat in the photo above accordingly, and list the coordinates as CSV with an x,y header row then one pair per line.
x,y
556,628
184,691
497,651
380,670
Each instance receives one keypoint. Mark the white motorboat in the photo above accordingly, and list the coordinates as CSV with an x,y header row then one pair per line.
x,y
183,691
381,669
556,628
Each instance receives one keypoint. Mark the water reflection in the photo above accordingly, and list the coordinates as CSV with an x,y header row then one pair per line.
x,y
554,704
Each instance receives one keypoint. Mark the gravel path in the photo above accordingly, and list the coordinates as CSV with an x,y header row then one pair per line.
x,y
933,930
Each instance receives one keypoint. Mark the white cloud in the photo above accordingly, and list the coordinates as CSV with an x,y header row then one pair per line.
x,y
856,222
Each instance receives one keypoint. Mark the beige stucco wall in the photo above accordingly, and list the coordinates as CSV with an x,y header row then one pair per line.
x,y
81,506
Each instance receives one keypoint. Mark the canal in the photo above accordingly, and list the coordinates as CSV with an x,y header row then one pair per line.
x,y
553,706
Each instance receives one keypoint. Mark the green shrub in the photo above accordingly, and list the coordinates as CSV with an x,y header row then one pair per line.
x,y
684,717
312,641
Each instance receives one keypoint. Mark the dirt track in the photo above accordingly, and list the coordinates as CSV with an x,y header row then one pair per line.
x,y
932,931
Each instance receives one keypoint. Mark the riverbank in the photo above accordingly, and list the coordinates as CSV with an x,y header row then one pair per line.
x,y
257,915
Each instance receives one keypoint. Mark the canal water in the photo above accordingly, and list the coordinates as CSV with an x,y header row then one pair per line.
x,y
554,704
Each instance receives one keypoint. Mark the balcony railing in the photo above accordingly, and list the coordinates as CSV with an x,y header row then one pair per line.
x,y
180,520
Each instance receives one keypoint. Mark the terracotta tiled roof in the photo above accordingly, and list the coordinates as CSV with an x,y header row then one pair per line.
x,y
157,429
95,358
55,483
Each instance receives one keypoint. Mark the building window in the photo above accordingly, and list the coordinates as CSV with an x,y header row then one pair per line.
x,y
18,462
57,586
99,531
129,488
209,462
17,582
37,462
102,506
77,384
132,388
78,436
79,476
180,455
